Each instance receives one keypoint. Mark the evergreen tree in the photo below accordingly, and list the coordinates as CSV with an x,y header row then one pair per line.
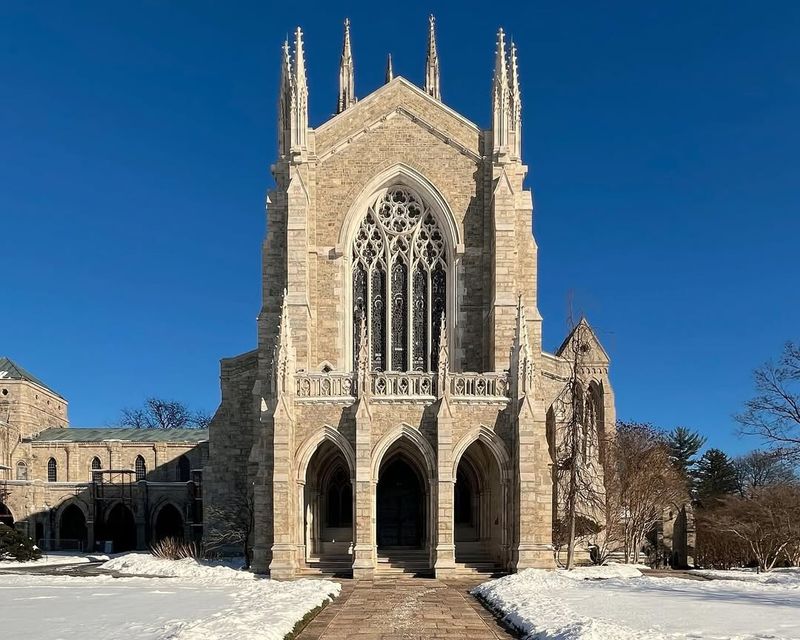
x,y
716,477
683,447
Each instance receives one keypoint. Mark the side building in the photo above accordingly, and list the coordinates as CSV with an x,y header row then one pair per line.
x,y
77,489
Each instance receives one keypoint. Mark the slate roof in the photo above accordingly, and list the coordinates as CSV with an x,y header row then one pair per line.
x,y
129,435
10,370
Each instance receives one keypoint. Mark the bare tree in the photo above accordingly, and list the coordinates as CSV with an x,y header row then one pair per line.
x,y
774,413
578,466
232,524
157,413
641,482
759,469
767,522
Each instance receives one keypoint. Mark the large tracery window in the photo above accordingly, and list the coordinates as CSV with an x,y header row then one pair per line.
x,y
399,283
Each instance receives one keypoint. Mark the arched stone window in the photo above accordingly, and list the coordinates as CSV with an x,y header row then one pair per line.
x,y
140,468
22,470
399,276
52,470
184,469
96,466
589,423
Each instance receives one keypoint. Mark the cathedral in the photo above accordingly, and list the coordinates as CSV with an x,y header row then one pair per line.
x,y
398,412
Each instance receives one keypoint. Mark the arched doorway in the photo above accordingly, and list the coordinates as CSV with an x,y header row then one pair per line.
x,y
400,506
120,528
5,515
72,532
480,504
328,506
168,524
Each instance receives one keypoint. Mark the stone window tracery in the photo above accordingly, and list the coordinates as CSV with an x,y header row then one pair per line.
x,y
399,280
52,470
140,468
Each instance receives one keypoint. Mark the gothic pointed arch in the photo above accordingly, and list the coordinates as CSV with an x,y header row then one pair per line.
x,y
417,444
492,442
401,244
327,433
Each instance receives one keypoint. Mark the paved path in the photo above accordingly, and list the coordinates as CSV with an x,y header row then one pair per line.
x,y
404,609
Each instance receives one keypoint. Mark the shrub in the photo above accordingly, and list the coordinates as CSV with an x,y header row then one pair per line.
x,y
14,545
175,549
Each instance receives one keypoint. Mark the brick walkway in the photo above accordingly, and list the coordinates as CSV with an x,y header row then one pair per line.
x,y
404,609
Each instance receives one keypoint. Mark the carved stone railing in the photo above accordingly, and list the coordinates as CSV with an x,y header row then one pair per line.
x,y
328,385
402,384
415,385
489,386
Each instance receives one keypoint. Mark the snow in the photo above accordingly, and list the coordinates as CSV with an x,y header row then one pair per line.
x,y
197,602
789,578
610,603
54,559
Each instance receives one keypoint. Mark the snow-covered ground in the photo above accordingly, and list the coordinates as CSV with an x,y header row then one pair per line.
x,y
55,558
196,602
628,606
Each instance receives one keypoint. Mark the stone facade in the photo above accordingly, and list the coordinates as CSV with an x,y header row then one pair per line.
x,y
445,459
72,488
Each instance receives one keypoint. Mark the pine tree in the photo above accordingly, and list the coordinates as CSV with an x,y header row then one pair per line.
x,y
683,446
716,477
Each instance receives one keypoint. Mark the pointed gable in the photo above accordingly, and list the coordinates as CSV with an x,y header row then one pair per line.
x,y
398,98
595,353
10,370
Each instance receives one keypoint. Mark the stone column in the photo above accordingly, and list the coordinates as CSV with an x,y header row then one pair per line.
x,y
535,491
283,563
445,559
364,553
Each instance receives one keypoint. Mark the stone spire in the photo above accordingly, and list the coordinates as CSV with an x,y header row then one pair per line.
x,y
285,101
362,362
283,361
432,62
443,368
521,355
299,122
501,107
347,84
389,70
516,104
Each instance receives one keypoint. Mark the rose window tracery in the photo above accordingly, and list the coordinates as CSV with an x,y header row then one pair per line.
x,y
399,277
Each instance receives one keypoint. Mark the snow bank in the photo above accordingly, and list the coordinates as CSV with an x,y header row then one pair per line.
x,y
788,578
527,604
259,607
54,559
564,605
144,564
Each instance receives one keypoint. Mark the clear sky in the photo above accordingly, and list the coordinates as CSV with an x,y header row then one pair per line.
x,y
663,145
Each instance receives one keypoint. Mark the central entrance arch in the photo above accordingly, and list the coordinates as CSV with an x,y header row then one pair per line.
x,y
403,471
400,506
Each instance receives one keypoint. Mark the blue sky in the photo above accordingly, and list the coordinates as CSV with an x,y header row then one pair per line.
x,y
136,139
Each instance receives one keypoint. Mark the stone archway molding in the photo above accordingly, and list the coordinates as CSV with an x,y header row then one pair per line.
x,y
414,437
309,447
492,442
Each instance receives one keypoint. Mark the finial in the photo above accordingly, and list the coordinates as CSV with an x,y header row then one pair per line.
x,y
432,62
299,124
346,72
516,103
501,107
389,70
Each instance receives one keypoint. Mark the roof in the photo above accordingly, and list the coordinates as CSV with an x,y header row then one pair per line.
x,y
129,435
10,370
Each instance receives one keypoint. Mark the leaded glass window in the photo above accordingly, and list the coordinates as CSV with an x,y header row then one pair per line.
x,y
399,281
140,468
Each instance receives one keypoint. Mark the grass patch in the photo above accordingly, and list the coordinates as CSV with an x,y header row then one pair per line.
x,y
303,623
